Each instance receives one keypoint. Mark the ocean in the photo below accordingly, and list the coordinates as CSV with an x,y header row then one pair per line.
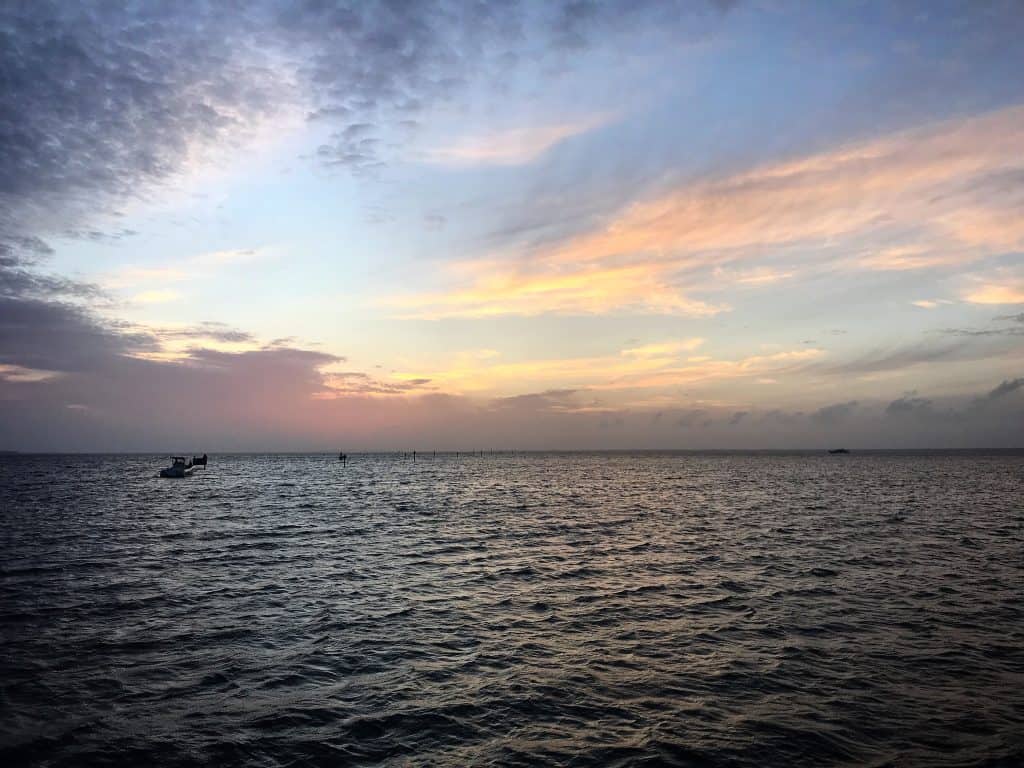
x,y
578,609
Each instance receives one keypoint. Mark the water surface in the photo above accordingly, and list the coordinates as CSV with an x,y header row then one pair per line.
x,y
533,609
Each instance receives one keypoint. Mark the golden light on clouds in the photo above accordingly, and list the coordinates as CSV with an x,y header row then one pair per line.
x,y
917,179
650,366
917,187
997,294
664,349
504,291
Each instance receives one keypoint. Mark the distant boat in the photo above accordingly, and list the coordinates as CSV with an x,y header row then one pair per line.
x,y
200,461
178,468
838,450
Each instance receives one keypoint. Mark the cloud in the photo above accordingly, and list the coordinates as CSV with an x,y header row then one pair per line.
x,y
653,369
192,267
664,349
208,330
928,189
274,399
501,290
737,417
908,405
106,103
694,418
574,25
101,101
912,354
983,332
756,276
996,294
909,257
548,400
916,179
1005,388
833,415
341,384
58,336
17,373
515,146
156,297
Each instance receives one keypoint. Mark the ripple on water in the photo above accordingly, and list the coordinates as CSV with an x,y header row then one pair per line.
x,y
578,609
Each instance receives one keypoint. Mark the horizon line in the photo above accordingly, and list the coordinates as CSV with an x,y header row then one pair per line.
x,y
497,451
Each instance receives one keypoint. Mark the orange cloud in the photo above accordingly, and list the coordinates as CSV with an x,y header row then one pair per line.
x,y
991,293
906,257
639,287
664,349
757,365
648,367
933,182
914,178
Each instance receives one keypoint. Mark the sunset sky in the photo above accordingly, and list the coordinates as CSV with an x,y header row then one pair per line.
x,y
329,225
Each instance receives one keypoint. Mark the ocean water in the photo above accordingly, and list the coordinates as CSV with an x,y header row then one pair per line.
x,y
536,609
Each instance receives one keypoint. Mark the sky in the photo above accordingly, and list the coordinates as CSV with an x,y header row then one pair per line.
x,y
438,225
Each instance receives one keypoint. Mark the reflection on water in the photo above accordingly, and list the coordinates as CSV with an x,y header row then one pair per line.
x,y
581,609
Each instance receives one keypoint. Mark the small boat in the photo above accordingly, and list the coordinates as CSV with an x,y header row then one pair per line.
x,y
179,468
838,450
200,461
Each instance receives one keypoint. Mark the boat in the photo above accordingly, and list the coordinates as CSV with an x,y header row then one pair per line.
x,y
179,468
838,450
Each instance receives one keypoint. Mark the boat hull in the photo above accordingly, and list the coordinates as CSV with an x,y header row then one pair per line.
x,y
176,472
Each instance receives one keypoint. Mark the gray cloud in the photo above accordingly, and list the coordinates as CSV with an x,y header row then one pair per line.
x,y
1005,388
970,346
576,23
18,279
358,383
779,416
982,332
208,329
832,415
903,357
696,417
100,100
551,399
60,336
909,405
97,236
